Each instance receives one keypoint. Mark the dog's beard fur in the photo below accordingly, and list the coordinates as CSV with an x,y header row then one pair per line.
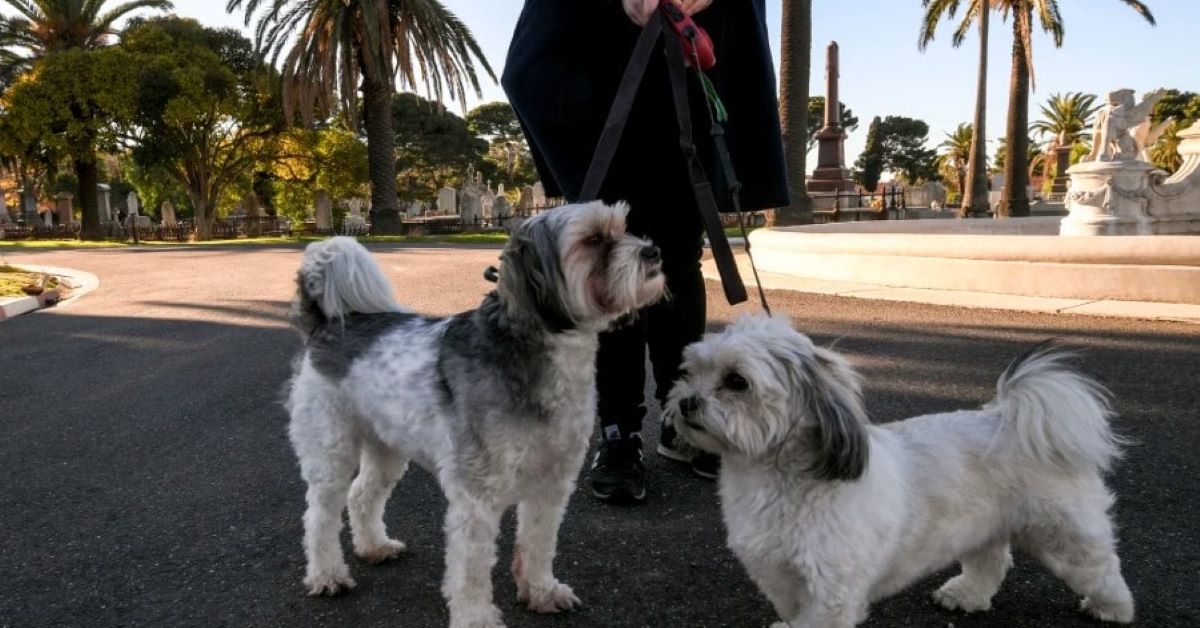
x,y
579,268
753,390
828,512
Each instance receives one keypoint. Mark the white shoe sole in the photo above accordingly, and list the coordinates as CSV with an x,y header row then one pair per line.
x,y
672,454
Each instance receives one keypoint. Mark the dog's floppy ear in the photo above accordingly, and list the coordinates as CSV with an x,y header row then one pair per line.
x,y
531,274
834,401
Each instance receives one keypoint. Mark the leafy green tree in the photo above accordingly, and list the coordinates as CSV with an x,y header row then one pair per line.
x,y
898,143
63,108
974,191
1184,108
869,167
816,118
956,153
508,157
795,60
341,47
43,28
1068,117
330,160
206,110
434,147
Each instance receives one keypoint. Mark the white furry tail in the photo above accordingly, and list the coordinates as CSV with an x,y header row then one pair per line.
x,y
1054,415
339,277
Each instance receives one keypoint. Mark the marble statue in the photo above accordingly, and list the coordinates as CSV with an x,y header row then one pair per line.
x,y
1122,128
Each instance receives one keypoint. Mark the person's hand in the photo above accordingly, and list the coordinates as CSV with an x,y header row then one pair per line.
x,y
640,10
692,7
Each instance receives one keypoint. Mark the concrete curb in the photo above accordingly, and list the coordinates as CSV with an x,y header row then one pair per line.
x,y
1146,310
77,281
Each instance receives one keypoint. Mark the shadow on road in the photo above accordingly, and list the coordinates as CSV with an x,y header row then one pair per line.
x,y
147,480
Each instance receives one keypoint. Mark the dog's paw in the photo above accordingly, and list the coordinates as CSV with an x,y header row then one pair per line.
x,y
339,581
552,599
390,549
1116,613
959,595
487,616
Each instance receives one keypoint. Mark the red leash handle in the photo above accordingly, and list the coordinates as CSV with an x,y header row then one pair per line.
x,y
697,45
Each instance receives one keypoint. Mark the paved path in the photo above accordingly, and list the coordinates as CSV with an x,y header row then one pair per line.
x,y
145,479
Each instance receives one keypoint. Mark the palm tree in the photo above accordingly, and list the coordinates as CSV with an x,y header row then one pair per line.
x,y
1014,201
342,47
795,53
954,161
1067,117
44,27
974,193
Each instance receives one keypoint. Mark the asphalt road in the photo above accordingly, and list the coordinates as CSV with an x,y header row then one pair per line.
x,y
146,480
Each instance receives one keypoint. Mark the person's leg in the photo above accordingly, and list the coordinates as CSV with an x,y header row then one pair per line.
x,y
617,473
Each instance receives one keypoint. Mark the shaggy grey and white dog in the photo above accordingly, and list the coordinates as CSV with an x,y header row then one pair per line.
x,y
828,512
497,403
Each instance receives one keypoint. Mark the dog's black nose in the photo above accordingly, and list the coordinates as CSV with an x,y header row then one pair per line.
x,y
690,405
651,253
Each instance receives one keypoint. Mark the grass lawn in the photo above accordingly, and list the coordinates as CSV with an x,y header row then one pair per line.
x,y
462,238
12,279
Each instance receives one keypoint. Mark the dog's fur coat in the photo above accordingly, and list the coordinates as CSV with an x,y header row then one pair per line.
x,y
497,403
828,512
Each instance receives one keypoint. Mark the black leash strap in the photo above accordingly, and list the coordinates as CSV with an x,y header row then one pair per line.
x,y
731,280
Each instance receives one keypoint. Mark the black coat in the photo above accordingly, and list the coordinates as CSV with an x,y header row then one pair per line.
x,y
566,61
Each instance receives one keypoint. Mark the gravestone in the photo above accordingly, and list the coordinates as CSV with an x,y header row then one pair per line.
x,y
447,201
539,195
324,203
65,207
29,205
501,208
4,217
525,202
167,213
48,218
131,204
472,206
354,223
102,202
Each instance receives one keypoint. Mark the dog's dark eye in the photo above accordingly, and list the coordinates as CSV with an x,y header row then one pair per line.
x,y
594,240
735,382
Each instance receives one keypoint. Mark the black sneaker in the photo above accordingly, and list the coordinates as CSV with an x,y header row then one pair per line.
x,y
672,447
706,465
618,474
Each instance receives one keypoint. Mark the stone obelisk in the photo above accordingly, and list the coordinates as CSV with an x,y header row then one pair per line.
x,y
831,174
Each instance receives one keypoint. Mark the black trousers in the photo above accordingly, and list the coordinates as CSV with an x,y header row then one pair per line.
x,y
662,208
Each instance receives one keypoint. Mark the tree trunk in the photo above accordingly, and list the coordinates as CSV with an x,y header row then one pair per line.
x,y
86,173
200,215
795,53
1014,201
975,193
381,156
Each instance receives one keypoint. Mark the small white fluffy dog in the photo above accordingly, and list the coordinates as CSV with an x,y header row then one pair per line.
x,y
828,512
497,402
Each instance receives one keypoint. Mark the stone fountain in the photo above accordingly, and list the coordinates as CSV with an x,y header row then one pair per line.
x,y
1117,191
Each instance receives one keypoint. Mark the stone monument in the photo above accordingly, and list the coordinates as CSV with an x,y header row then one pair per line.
x,y
539,195
354,223
1061,149
1116,192
447,201
166,213
501,208
65,207
103,206
831,174
324,203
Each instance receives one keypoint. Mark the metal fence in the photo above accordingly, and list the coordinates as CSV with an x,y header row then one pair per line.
x,y
856,206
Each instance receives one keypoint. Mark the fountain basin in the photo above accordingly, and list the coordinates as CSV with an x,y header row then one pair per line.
x,y
1020,256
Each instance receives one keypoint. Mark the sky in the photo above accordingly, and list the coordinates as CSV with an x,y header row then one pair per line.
x,y
1107,46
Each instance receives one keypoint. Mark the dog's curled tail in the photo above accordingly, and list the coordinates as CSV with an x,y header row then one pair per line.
x,y
1054,415
338,277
